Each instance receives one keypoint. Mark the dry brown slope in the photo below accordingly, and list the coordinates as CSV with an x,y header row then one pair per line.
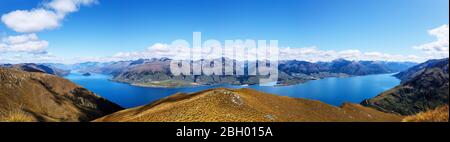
x,y
27,96
244,105
440,114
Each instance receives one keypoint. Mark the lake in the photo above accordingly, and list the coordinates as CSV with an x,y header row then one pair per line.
x,y
334,91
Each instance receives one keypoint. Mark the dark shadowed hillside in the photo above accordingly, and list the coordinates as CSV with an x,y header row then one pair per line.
x,y
424,87
417,70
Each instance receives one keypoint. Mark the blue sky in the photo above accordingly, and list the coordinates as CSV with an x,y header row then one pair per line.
x,y
111,26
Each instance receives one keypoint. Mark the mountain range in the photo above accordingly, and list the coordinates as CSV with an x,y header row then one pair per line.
x,y
156,72
42,68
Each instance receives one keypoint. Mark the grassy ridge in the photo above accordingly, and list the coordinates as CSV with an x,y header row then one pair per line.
x,y
245,105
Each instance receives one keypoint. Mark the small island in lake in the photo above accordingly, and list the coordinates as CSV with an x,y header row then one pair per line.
x,y
86,74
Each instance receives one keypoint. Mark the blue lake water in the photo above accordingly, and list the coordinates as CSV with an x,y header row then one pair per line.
x,y
334,91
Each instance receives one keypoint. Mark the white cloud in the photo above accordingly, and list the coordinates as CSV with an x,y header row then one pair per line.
x,y
28,47
311,54
63,7
440,47
28,43
42,18
157,50
31,21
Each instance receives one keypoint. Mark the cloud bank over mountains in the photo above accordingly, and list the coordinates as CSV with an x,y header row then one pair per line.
x,y
311,54
435,49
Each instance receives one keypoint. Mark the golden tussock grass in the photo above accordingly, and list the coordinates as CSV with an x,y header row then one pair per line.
x,y
439,114
15,114
245,105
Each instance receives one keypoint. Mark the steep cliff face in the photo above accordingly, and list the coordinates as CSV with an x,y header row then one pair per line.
x,y
244,105
423,87
35,96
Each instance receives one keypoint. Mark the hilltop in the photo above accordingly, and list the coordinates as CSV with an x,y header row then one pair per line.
x,y
244,105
